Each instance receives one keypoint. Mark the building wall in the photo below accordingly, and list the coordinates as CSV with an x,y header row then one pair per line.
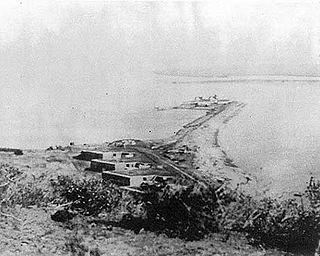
x,y
132,181
109,166
116,155
85,155
112,155
100,166
117,179
120,166
123,180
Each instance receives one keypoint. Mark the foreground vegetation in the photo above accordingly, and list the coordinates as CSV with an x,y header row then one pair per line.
x,y
186,210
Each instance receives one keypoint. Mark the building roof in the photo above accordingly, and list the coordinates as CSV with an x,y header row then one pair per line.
x,y
92,151
104,161
143,172
110,152
126,161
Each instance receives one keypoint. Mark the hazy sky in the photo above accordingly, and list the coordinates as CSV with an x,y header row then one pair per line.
x,y
52,53
57,57
240,37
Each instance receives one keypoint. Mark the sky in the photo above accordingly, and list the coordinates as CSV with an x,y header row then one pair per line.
x,y
58,53
58,58
238,37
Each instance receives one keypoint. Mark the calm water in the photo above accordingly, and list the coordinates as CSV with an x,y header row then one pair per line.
x,y
277,134
121,109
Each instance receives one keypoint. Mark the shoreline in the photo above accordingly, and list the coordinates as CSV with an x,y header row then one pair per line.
x,y
211,162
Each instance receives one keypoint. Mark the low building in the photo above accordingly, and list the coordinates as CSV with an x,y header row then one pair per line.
x,y
89,155
136,177
99,165
117,155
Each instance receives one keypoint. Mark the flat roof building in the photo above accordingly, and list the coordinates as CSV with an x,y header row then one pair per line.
x,y
136,177
99,165
89,155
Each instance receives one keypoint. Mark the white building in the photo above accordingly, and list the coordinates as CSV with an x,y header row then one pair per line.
x,y
117,155
134,178
99,165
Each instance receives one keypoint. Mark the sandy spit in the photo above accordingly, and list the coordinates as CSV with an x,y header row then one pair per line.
x,y
211,161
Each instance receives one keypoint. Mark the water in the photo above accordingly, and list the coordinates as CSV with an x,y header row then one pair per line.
x,y
121,109
276,135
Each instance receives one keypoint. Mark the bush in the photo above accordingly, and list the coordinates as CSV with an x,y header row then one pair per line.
x,y
8,176
191,211
185,211
286,224
22,189
29,194
88,197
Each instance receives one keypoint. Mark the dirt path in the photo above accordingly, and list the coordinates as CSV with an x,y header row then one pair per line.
x,y
161,160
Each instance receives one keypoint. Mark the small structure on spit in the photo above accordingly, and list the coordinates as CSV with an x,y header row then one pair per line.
x,y
200,103
203,103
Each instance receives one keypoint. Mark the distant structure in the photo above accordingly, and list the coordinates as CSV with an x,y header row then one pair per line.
x,y
126,143
16,151
203,103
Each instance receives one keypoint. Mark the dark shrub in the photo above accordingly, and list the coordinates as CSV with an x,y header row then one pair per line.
x,y
186,211
191,211
62,216
88,197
